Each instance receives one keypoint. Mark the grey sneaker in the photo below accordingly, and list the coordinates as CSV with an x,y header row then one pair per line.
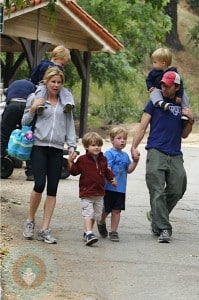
x,y
29,230
40,109
114,237
102,230
68,108
45,236
165,236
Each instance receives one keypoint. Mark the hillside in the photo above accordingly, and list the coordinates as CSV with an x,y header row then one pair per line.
x,y
186,61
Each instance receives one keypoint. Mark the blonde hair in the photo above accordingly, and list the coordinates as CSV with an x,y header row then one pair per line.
x,y
62,53
163,55
117,130
92,138
52,71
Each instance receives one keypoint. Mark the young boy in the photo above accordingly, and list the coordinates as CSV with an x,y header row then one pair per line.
x,y
162,59
60,56
114,199
93,170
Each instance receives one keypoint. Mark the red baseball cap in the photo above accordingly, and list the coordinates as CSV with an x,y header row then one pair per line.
x,y
170,77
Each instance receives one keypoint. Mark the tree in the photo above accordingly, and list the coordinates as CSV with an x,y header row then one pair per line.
x,y
172,37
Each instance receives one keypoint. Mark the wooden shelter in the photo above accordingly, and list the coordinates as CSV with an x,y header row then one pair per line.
x,y
31,32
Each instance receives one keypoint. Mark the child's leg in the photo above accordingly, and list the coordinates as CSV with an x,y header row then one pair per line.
x,y
41,91
184,104
115,219
157,99
87,207
66,99
185,100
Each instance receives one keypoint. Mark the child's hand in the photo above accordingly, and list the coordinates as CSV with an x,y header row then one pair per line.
x,y
72,156
113,182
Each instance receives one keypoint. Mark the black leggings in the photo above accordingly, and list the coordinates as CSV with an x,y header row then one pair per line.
x,y
46,163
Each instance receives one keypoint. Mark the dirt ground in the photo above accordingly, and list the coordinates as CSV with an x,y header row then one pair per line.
x,y
15,193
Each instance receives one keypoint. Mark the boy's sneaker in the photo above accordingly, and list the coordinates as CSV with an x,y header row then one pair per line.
x,y
45,236
90,239
102,230
40,109
68,108
165,236
114,237
184,118
164,105
29,230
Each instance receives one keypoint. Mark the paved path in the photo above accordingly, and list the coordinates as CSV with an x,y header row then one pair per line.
x,y
137,268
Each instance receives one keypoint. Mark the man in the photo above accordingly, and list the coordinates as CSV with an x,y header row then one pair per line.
x,y
16,97
165,174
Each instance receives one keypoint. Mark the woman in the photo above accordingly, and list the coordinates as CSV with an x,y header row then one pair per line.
x,y
53,127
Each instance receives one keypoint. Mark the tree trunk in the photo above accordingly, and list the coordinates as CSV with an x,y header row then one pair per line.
x,y
172,38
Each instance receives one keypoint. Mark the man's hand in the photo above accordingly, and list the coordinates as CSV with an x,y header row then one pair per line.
x,y
188,112
135,154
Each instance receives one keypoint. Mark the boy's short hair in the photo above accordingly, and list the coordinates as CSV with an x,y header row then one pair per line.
x,y
52,71
117,130
92,138
61,53
163,55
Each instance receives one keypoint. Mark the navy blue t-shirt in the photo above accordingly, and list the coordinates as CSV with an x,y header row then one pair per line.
x,y
165,129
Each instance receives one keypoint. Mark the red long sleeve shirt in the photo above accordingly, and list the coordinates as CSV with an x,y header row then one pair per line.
x,y
92,174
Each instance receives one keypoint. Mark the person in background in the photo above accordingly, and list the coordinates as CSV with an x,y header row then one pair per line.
x,y
165,174
52,129
162,59
114,199
93,170
16,97
60,56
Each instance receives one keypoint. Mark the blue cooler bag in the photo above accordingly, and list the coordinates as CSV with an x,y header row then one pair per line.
x,y
20,143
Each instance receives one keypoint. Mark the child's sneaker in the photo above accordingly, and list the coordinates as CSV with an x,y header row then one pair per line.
x,y
164,105
114,237
68,108
102,230
29,230
45,236
184,118
90,239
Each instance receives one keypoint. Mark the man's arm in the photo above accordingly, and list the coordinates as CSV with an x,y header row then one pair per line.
x,y
139,134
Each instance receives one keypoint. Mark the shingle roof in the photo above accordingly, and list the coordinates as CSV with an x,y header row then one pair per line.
x,y
69,12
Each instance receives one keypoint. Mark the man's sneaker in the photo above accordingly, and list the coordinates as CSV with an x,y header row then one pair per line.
x,y
68,108
165,236
90,239
40,109
102,230
29,230
45,236
114,237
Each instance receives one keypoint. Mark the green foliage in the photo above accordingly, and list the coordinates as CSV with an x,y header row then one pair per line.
x,y
134,23
194,4
194,36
